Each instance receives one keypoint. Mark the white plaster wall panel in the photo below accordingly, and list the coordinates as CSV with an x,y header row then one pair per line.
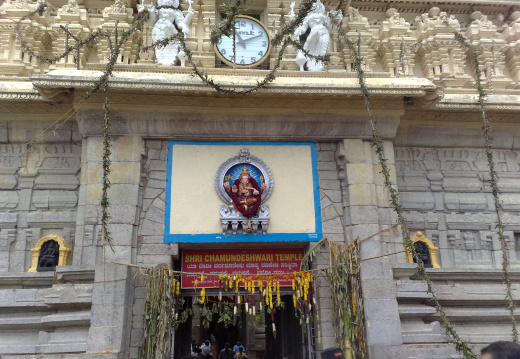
x,y
193,194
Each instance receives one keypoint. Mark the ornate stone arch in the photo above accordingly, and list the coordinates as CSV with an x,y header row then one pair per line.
x,y
65,251
419,237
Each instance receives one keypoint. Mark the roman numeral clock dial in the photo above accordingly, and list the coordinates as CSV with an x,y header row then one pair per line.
x,y
252,43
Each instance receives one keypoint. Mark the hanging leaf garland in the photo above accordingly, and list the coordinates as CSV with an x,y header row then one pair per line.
x,y
164,310
493,177
347,298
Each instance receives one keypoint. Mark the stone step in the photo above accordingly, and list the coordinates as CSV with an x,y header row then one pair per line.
x,y
415,310
41,320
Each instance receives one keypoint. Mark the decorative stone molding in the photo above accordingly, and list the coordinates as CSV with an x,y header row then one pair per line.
x,y
419,237
65,251
428,41
230,217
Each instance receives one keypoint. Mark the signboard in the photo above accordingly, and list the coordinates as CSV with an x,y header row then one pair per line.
x,y
261,261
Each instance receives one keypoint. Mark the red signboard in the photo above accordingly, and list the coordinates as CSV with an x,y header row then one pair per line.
x,y
238,261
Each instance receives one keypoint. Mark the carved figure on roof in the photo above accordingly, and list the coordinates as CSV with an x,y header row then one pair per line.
x,y
515,17
71,7
119,6
168,20
317,41
452,22
481,20
395,19
421,22
355,16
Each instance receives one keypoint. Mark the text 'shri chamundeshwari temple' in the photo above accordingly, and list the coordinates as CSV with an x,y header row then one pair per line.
x,y
308,179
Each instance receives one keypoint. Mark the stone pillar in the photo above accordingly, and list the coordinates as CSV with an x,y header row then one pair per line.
x,y
333,229
367,213
112,293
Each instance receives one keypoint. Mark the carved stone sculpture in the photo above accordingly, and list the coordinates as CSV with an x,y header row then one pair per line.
x,y
166,19
317,41
49,256
515,17
230,217
71,7
423,253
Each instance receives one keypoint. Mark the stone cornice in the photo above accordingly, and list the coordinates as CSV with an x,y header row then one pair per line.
x,y
18,91
405,271
469,102
51,85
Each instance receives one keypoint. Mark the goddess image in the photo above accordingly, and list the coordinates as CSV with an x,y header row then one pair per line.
x,y
245,193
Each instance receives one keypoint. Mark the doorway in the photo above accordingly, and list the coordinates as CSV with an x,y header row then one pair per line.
x,y
289,341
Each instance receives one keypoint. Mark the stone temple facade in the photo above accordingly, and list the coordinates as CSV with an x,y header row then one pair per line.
x,y
425,105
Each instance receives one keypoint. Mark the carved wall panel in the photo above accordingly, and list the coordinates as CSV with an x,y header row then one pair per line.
x,y
40,183
446,194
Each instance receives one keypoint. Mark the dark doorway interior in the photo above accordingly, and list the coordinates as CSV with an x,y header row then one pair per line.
x,y
288,342
230,334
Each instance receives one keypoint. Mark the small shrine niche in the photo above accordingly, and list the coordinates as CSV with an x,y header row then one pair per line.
x,y
426,251
50,251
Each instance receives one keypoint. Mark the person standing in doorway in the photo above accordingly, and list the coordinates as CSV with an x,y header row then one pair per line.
x,y
241,354
206,350
226,353
237,347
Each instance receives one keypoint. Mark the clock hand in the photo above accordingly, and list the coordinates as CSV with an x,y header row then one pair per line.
x,y
240,40
252,38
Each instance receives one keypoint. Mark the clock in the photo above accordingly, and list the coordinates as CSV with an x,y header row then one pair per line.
x,y
252,43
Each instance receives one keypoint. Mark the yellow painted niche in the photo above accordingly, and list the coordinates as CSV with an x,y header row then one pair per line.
x,y
419,237
64,251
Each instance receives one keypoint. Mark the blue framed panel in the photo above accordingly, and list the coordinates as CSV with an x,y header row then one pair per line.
x,y
239,237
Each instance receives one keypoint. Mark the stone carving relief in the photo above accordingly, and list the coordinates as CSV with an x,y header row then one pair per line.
x,y
57,167
443,168
93,235
10,162
463,208
7,237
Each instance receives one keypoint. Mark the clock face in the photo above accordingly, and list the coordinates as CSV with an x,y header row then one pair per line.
x,y
252,43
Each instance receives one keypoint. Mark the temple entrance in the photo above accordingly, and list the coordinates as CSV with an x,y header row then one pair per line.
x,y
259,340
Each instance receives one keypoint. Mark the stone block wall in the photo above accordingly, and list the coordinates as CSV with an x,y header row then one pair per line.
x,y
39,186
446,195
